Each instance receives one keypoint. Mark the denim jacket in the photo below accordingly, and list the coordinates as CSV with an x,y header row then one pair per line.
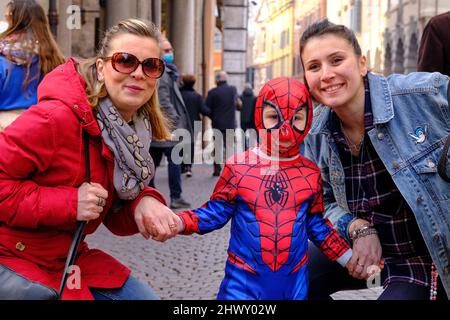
x,y
404,107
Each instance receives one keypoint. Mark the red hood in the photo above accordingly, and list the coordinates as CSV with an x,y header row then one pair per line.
x,y
65,85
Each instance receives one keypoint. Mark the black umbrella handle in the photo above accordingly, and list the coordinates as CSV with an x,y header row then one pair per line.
x,y
71,256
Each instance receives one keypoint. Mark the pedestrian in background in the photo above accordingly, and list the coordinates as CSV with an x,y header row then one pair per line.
x,y
377,141
248,100
173,106
196,108
43,190
222,101
28,52
434,51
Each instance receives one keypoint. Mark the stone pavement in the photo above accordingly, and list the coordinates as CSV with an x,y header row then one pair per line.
x,y
185,267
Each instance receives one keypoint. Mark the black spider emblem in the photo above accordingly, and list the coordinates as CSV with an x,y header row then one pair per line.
x,y
276,190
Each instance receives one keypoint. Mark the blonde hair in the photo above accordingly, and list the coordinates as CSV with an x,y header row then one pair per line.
x,y
96,90
29,16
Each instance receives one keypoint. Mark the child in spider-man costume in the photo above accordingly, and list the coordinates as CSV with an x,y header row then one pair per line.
x,y
273,197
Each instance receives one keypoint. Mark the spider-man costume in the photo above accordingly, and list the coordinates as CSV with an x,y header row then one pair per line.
x,y
275,204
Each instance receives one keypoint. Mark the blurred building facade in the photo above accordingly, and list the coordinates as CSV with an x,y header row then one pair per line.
x,y
234,22
306,12
273,43
388,31
207,35
367,19
404,27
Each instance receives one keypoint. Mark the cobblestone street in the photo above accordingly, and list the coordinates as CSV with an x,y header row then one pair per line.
x,y
185,267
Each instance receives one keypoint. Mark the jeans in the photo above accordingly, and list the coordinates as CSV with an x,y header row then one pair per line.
x,y
132,289
174,170
326,278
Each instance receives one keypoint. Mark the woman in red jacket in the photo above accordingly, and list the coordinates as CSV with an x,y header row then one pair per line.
x,y
43,192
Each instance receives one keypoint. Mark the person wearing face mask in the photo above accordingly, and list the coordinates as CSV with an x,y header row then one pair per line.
x,y
377,141
28,52
99,116
273,196
173,106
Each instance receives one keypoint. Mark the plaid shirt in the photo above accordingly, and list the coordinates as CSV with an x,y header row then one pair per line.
x,y
373,196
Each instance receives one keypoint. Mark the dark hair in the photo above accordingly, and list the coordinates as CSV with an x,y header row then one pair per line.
x,y
188,80
324,27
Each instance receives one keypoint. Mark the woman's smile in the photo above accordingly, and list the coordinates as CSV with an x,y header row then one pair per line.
x,y
332,89
134,88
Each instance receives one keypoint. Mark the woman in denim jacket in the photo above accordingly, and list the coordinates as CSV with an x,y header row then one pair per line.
x,y
377,142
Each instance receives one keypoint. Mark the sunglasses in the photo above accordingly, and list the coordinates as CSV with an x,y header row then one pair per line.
x,y
127,63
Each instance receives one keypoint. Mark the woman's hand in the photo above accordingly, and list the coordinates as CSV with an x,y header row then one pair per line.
x,y
91,200
366,252
156,220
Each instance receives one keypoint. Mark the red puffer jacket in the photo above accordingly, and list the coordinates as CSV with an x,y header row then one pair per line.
x,y
41,168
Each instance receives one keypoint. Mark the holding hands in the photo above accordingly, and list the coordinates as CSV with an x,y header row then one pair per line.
x,y
156,220
153,218
366,250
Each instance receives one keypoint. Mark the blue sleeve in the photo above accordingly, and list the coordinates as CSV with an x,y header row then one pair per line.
x,y
321,232
2,77
215,213
325,237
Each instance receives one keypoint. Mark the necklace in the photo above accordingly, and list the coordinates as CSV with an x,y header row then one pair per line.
x,y
356,147
355,152
358,183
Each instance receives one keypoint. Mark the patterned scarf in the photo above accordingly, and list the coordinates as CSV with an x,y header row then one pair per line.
x,y
20,48
133,167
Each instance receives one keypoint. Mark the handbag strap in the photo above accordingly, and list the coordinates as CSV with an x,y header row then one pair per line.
x,y
442,164
80,225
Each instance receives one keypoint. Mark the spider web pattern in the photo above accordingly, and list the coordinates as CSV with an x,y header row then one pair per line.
x,y
276,220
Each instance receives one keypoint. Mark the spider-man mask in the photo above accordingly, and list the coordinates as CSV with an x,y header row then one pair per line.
x,y
283,116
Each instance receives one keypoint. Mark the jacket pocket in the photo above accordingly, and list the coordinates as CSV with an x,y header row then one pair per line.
x,y
427,169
